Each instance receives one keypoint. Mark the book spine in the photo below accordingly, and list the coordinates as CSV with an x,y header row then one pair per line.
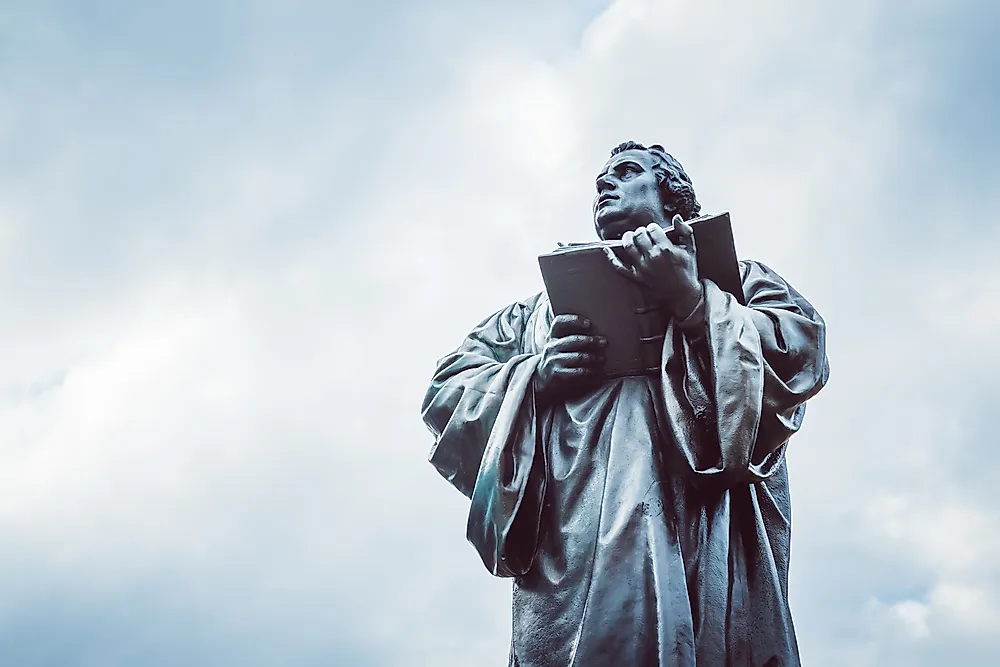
x,y
652,328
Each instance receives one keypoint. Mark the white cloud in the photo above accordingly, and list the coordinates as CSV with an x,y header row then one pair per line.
x,y
213,405
912,615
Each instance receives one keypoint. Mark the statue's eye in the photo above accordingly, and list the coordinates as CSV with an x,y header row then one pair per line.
x,y
629,171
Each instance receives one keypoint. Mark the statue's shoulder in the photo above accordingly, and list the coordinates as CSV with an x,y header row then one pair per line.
x,y
751,269
760,280
539,301
533,308
522,312
537,320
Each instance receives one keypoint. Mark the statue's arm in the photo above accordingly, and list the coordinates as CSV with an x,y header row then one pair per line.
x,y
463,399
480,406
736,383
793,350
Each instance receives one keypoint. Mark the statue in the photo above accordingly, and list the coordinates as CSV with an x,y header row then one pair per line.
x,y
645,520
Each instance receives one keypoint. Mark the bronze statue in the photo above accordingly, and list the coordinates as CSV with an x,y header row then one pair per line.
x,y
645,520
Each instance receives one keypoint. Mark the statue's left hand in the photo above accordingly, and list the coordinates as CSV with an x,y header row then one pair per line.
x,y
668,270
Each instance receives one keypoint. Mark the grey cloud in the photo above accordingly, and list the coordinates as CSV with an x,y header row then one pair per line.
x,y
247,263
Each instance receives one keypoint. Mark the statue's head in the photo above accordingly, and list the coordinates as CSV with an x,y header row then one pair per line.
x,y
640,185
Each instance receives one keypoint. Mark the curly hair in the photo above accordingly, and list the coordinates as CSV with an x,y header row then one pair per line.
x,y
675,185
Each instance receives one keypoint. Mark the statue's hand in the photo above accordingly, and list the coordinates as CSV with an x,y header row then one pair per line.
x,y
571,357
667,270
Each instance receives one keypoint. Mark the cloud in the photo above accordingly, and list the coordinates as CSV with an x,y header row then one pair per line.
x,y
235,241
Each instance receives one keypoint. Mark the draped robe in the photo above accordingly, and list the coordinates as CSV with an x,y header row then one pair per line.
x,y
646,522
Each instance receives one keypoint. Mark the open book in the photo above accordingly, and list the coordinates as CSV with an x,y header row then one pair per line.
x,y
580,280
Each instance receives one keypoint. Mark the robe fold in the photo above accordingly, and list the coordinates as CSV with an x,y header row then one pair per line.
x,y
647,522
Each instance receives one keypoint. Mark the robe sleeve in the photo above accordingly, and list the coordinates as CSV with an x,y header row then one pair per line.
x,y
480,406
734,390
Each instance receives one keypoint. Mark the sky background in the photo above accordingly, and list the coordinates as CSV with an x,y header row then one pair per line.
x,y
236,236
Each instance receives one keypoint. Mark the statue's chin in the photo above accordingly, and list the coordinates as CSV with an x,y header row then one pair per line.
x,y
613,230
611,227
614,220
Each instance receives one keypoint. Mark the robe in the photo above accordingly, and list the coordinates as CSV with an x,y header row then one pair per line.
x,y
646,522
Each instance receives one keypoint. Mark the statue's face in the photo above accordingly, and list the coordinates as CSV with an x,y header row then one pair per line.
x,y
628,196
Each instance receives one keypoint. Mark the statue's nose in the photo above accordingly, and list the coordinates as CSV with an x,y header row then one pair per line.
x,y
605,183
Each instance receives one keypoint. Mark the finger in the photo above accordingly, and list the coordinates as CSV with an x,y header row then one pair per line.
x,y
684,230
619,266
628,245
570,318
681,233
580,371
573,377
658,236
578,343
577,360
565,325
642,241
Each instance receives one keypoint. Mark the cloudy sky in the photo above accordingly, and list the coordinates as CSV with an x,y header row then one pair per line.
x,y
236,236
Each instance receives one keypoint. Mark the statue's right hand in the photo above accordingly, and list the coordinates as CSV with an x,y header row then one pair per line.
x,y
571,357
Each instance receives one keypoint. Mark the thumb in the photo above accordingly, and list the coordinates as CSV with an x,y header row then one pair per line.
x,y
685,232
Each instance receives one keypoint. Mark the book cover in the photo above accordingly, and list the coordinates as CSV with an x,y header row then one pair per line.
x,y
580,280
